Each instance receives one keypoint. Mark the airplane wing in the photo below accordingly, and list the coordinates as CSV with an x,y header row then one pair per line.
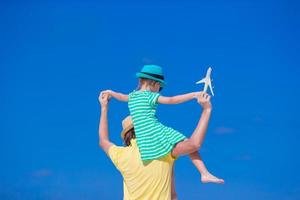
x,y
201,81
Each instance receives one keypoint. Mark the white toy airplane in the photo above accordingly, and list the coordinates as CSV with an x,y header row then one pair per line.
x,y
207,81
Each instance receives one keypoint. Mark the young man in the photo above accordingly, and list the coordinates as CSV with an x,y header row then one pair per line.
x,y
152,180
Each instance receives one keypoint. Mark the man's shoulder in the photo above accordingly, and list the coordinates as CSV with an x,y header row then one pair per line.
x,y
118,149
114,153
114,148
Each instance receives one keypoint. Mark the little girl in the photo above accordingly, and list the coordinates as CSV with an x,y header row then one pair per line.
x,y
154,139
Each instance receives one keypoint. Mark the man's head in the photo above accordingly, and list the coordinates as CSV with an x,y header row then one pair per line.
x,y
128,131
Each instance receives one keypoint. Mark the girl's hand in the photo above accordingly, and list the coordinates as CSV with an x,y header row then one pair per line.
x,y
197,94
108,93
204,100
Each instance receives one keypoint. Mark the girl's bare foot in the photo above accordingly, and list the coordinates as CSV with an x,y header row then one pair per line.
x,y
209,178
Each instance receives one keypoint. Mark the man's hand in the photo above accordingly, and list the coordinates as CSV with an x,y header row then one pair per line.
x,y
174,197
104,141
117,95
204,101
103,99
108,93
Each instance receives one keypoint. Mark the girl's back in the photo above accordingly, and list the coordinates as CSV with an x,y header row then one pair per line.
x,y
153,138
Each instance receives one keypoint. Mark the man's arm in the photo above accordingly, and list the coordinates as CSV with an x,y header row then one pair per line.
x,y
195,141
104,141
173,191
177,99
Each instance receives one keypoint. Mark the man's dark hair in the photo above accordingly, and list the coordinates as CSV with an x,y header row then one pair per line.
x,y
128,136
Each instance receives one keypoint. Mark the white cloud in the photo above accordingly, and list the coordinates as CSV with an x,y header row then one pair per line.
x,y
147,60
224,130
258,119
42,173
244,158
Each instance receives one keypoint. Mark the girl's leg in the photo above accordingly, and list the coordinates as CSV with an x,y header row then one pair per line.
x,y
206,177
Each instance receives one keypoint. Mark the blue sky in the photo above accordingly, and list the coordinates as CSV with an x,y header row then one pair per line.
x,y
56,56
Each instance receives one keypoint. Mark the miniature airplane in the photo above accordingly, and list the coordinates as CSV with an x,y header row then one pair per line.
x,y
207,81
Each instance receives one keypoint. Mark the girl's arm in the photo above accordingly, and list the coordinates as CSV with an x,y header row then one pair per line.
x,y
117,95
178,99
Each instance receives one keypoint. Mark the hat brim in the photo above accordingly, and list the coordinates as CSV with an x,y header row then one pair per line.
x,y
142,75
126,130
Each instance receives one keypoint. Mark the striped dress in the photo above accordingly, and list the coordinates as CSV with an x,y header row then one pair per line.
x,y
153,138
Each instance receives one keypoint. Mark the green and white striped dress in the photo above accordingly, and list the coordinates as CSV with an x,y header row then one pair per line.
x,y
153,138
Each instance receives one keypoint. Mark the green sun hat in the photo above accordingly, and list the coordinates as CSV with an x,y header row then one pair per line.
x,y
153,72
